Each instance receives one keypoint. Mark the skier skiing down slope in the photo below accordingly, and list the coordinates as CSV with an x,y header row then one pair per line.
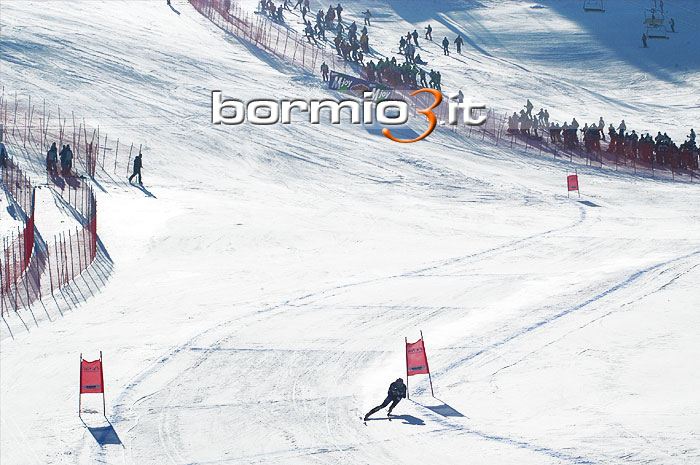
x,y
397,391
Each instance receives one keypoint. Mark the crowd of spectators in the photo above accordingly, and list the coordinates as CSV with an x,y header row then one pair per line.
x,y
661,150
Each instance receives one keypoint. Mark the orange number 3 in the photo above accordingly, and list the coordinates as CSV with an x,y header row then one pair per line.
x,y
432,119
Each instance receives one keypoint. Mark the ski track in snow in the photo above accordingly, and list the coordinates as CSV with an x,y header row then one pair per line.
x,y
631,279
304,417
168,445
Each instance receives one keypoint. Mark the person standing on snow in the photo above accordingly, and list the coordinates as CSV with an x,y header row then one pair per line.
x,y
622,128
338,11
368,15
137,168
540,116
3,154
397,391
429,33
324,71
423,82
458,42
66,156
52,159
446,46
529,107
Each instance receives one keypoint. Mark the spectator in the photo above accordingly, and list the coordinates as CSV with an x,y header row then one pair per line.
x,y
66,156
52,159
137,168
3,154
339,10
458,42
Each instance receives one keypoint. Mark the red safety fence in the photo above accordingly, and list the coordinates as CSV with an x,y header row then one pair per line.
x,y
622,155
292,47
31,268
16,249
18,185
34,127
70,253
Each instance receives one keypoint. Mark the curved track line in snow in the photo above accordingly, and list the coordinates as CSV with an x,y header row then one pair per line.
x,y
165,438
519,443
190,342
598,318
567,311
155,366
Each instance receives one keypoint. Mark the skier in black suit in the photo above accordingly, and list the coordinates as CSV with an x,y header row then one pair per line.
x,y
397,391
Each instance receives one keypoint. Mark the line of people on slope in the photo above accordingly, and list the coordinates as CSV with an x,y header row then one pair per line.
x,y
459,42
404,75
52,157
660,149
274,12
66,157
324,23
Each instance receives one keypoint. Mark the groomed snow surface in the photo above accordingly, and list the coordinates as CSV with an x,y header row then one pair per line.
x,y
260,295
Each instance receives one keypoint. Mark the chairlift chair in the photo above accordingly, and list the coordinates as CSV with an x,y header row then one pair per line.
x,y
653,17
593,6
657,32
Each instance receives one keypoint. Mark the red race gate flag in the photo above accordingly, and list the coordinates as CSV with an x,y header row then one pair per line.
x,y
417,361
91,380
572,181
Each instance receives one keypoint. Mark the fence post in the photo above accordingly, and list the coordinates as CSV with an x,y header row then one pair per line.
x,y
59,280
284,54
72,264
129,162
116,154
77,246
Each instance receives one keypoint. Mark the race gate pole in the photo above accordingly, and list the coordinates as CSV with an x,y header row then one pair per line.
x,y
578,187
80,377
425,354
567,185
102,378
405,350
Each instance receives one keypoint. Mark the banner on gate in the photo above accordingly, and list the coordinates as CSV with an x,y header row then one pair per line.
x,y
416,361
355,86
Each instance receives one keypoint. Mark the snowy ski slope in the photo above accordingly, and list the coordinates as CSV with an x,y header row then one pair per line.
x,y
260,297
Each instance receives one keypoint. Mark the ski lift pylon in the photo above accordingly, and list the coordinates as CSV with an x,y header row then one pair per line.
x,y
593,6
